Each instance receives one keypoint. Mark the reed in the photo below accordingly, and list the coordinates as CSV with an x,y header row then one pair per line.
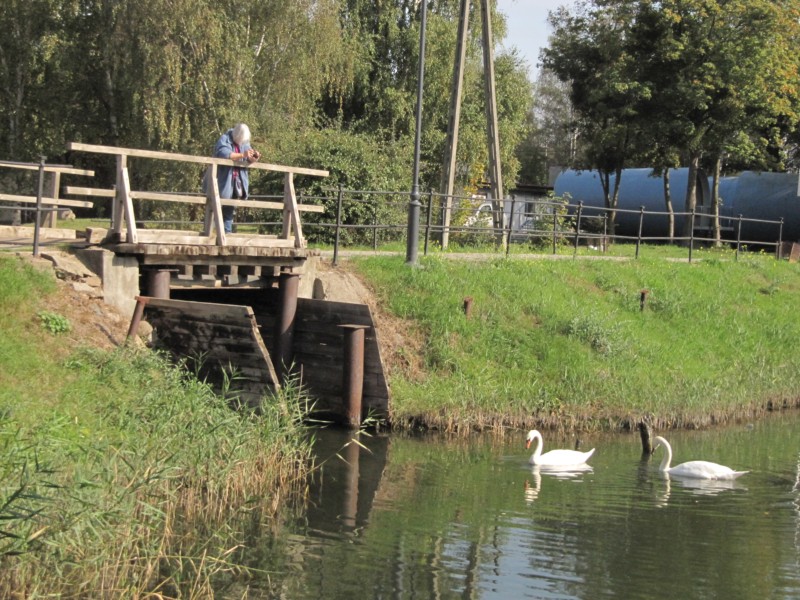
x,y
121,475
568,344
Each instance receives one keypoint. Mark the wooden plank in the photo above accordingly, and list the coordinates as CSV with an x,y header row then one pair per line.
x,y
127,203
66,169
202,309
50,201
118,204
190,158
191,199
87,191
27,231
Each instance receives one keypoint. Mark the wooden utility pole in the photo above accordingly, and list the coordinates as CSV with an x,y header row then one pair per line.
x,y
451,148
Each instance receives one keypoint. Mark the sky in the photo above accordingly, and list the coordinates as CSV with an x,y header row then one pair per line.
x,y
527,26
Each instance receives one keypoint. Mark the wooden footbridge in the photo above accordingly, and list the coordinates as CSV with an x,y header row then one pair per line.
x,y
230,302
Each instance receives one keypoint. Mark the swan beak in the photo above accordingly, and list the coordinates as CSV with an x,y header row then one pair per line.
x,y
527,444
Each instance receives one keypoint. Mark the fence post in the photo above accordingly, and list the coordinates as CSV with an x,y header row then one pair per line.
x,y
338,225
555,224
639,238
428,221
36,222
510,225
577,229
780,241
375,225
605,232
738,237
691,235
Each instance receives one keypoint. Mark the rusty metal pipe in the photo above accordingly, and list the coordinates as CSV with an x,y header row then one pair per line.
x,y
284,326
353,372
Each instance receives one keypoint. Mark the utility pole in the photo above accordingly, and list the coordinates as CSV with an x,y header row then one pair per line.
x,y
451,148
457,87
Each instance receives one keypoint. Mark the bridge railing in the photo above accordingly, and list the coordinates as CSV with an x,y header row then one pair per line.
x,y
123,220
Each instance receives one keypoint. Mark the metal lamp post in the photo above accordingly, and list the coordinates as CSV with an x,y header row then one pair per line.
x,y
412,248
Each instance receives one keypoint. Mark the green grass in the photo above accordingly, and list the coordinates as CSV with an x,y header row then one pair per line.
x,y
120,475
565,343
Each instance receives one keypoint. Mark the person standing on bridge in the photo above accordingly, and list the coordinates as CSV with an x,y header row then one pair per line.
x,y
233,182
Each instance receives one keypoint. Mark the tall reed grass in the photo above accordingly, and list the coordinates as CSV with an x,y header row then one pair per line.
x,y
121,475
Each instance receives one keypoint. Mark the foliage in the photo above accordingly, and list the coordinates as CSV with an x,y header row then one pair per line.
x,y
172,75
54,322
703,78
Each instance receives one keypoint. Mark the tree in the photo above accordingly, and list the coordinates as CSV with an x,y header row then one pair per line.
x,y
720,72
588,49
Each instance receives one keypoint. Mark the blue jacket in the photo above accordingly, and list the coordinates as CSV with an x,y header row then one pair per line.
x,y
223,149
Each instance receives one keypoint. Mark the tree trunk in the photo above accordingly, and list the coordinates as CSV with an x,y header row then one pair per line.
x,y
691,198
668,204
715,202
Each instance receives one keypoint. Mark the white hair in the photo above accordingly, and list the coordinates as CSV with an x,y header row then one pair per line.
x,y
241,134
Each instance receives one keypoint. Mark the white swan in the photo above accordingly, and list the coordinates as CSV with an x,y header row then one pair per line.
x,y
554,458
695,469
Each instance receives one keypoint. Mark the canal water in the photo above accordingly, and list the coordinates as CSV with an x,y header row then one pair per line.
x,y
426,517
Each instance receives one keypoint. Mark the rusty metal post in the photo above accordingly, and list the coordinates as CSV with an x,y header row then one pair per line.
x,y
158,282
353,372
138,312
284,325
643,299
468,307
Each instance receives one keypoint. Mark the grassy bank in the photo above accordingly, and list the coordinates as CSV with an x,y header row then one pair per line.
x,y
119,475
566,343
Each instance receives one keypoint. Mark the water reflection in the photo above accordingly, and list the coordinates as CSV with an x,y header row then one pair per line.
x,y
532,490
426,517
343,487
697,487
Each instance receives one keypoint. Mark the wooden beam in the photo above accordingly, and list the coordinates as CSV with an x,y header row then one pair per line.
x,y
125,198
66,169
87,191
197,199
290,212
190,158
48,201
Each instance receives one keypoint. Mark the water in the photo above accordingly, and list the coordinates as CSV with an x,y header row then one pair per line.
x,y
407,517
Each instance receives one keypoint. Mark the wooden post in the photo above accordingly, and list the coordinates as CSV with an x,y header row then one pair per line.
x,y
51,217
644,433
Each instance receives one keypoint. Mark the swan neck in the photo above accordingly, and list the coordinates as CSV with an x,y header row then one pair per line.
x,y
537,452
667,456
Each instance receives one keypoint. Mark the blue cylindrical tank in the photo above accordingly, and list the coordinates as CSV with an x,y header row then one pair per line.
x,y
638,188
764,196
754,195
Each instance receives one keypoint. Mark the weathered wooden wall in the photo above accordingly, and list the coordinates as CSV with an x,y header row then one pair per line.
x,y
220,338
319,353
318,341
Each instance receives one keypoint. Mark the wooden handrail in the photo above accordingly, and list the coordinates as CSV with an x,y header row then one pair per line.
x,y
123,210
55,201
63,169
191,158
198,199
